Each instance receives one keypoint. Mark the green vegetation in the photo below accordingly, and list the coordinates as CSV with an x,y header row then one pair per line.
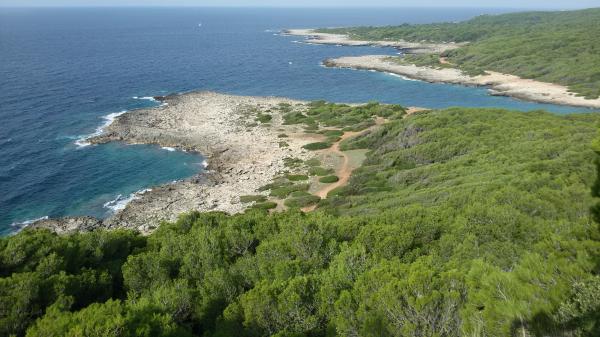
x,y
317,146
296,177
319,171
313,162
292,162
299,194
263,118
461,222
329,179
557,47
252,198
351,118
283,190
265,205
302,201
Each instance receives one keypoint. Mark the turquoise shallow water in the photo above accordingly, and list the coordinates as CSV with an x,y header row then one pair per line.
x,y
62,71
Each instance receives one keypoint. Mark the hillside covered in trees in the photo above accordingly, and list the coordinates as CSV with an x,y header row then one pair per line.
x,y
557,47
461,222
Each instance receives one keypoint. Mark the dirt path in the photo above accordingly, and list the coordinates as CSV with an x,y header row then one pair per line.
x,y
444,60
345,170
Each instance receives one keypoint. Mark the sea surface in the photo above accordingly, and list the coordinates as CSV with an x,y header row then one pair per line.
x,y
65,72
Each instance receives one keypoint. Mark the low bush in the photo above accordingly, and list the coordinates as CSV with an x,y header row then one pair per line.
x,y
319,171
296,177
252,198
329,179
303,201
284,191
317,146
265,205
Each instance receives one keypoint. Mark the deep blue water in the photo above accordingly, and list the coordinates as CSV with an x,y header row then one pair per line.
x,y
62,70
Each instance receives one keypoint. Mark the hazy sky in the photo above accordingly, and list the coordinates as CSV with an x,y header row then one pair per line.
x,y
315,3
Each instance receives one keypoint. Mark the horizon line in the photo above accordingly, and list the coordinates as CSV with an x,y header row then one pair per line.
x,y
290,7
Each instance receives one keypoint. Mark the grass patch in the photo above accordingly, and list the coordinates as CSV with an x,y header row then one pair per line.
x,y
263,118
296,177
252,198
317,146
284,191
298,194
292,162
329,179
265,205
319,171
303,201
313,162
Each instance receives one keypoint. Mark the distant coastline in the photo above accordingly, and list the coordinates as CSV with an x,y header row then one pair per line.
x,y
499,84
312,36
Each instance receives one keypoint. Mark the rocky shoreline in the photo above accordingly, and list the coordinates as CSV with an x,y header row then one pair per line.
x,y
242,154
499,84
312,36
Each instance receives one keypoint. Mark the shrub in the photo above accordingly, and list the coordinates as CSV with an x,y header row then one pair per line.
x,y
319,171
263,118
297,194
317,146
329,179
252,198
313,162
284,191
296,177
303,201
265,205
292,162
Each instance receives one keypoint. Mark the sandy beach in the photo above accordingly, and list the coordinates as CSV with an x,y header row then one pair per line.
x,y
344,40
499,84
242,155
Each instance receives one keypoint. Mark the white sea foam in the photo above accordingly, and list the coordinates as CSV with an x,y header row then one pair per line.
x,y
204,163
403,77
120,202
20,225
108,119
146,98
168,148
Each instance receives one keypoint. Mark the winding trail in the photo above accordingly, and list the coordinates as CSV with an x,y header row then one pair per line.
x,y
344,171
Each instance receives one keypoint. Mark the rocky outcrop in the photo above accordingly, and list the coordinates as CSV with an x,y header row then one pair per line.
x,y
314,37
68,225
242,155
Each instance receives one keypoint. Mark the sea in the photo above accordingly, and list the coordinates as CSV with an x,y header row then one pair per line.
x,y
65,73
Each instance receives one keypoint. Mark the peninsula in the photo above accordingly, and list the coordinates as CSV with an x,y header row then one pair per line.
x,y
263,152
548,57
